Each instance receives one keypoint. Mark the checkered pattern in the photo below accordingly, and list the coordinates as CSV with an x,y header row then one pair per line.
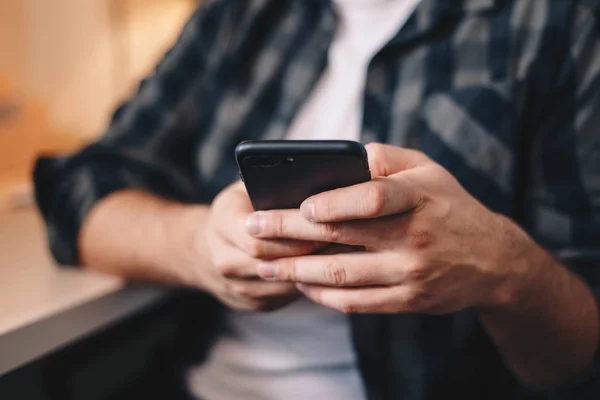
x,y
503,93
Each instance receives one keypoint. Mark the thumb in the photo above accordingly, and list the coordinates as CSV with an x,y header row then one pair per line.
x,y
386,160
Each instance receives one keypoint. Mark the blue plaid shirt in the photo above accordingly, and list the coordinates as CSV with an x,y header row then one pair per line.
x,y
505,94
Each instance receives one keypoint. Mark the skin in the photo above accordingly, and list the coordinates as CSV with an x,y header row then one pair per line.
x,y
410,241
139,236
431,248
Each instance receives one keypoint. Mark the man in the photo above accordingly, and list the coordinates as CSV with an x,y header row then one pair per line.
x,y
470,266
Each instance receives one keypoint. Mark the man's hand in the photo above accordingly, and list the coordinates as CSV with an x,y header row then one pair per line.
x,y
139,236
430,246
235,256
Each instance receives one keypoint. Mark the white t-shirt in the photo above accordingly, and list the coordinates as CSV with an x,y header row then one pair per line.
x,y
304,351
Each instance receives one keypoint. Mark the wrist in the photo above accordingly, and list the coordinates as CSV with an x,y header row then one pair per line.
x,y
182,247
521,266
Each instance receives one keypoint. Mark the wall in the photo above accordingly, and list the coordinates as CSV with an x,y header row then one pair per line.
x,y
79,57
12,38
66,64
68,61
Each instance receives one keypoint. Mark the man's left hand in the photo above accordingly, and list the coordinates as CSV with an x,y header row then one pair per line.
x,y
427,246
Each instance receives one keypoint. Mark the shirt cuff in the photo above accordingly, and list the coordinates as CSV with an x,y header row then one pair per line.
x,y
65,197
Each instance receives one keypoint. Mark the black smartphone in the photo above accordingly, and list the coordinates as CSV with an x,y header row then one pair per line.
x,y
281,174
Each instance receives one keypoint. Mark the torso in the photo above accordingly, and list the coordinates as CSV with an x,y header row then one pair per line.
x,y
304,350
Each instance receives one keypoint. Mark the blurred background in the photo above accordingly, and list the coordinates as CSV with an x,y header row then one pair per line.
x,y
64,67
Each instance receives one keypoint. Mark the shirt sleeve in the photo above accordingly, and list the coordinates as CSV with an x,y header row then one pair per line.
x,y
147,145
564,194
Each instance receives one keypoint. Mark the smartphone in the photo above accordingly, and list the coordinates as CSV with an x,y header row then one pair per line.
x,y
281,174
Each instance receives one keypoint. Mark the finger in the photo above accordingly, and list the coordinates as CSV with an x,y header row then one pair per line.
x,y
372,300
269,249
377,198
243,289
256,305
231,227
289,224
231,262
386,160
340,270
253,295
230,207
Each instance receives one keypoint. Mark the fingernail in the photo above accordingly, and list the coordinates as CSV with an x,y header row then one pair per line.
x,y
255,224
308,210
267,270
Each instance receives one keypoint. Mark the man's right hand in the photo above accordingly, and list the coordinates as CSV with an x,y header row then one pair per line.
x,y
140,236
234,255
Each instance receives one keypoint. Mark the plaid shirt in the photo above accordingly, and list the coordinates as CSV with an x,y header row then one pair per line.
x,y
505,94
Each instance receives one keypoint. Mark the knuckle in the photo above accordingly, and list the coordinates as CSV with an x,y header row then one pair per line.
x,y
288,271
258,305
375,199
226,292
348,308
227,270
413,300
330,232
327,207
224,266
375,151
255,248
241,290
416,272
377,162
419,238
335,273
222,293
250,306
274,223
279,224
